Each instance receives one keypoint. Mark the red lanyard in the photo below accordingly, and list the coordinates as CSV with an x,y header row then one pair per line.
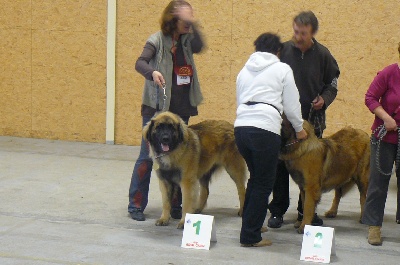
x,y
174,49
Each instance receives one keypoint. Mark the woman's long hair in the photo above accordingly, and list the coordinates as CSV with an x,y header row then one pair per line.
x,y
168,19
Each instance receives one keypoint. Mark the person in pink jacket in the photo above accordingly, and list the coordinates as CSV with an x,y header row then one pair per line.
x,y
383,99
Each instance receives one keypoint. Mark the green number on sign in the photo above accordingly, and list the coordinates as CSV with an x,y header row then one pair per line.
x,y
318,240
197,225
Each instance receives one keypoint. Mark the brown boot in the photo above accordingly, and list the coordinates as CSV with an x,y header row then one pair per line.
x,y
262,243
374,235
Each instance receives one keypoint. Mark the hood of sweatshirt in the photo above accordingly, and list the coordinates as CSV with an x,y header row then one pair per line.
x,y
258,61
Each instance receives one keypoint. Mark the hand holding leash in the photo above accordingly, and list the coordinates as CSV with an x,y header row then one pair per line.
x,y
318,103
158,78
390,124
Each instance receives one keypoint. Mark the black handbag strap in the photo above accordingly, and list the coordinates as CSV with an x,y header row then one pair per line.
x,y
249,103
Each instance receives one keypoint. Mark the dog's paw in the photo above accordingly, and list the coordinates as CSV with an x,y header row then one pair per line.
x,y
181,224
300,230
240,213
197,211
162,222
331,214
297,224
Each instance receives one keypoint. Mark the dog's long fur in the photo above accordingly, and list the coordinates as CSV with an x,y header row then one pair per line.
x,y
187,156
320,165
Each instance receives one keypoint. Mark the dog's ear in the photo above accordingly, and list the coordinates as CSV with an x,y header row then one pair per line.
x,y
309,128
287,131
181,131
286,126
147,129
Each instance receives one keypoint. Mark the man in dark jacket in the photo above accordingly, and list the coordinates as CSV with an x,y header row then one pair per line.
x,y
316,73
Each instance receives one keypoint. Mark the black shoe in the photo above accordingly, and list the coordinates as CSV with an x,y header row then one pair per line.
x,y
316,221
275,221
176,213
137,215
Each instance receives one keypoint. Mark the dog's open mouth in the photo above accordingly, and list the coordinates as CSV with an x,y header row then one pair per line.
x,y
164,147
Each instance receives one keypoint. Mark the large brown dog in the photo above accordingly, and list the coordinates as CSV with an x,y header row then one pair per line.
x,y
320,165
187,156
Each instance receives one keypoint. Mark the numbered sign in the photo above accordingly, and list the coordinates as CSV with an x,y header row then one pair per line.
x,y
199,231
318,244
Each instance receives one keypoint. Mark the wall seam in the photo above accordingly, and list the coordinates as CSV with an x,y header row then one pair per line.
x,y
110,98
31,130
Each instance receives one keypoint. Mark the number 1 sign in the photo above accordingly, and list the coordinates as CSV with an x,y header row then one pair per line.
x,y
198,231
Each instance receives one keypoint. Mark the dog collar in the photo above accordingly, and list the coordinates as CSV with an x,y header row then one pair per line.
x,y
294,142
160,155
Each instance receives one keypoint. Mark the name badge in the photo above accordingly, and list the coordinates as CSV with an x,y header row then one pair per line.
x,y
182,80
183,74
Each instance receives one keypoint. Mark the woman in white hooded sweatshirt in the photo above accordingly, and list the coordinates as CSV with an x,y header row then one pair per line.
x,y
265,88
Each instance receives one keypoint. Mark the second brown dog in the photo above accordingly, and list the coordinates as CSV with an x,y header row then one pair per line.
x,y
320,165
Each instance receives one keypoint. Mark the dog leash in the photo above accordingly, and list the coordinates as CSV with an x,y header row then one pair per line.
x,y
316,120
160,155
164,98
157,160
382,132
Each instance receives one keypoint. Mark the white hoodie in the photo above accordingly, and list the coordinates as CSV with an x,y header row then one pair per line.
x,y
265,79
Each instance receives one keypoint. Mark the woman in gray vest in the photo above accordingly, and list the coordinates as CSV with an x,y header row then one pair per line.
x,y
171,84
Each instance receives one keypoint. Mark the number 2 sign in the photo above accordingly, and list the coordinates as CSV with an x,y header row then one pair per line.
x,y
199,231
318,244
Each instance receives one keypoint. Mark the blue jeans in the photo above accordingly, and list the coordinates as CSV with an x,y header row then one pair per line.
x,y
379,183
140,181
260,149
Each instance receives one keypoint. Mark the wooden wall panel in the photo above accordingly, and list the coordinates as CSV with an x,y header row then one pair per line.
x,y
68,85
54,78
15,82
53,54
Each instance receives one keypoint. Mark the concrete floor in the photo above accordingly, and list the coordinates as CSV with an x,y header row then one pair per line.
x,y
66,203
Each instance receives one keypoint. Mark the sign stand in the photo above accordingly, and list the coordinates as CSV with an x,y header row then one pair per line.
x,y
318,244
199,231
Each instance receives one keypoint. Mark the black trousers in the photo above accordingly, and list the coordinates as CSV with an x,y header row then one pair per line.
x,y
260,149
280,194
